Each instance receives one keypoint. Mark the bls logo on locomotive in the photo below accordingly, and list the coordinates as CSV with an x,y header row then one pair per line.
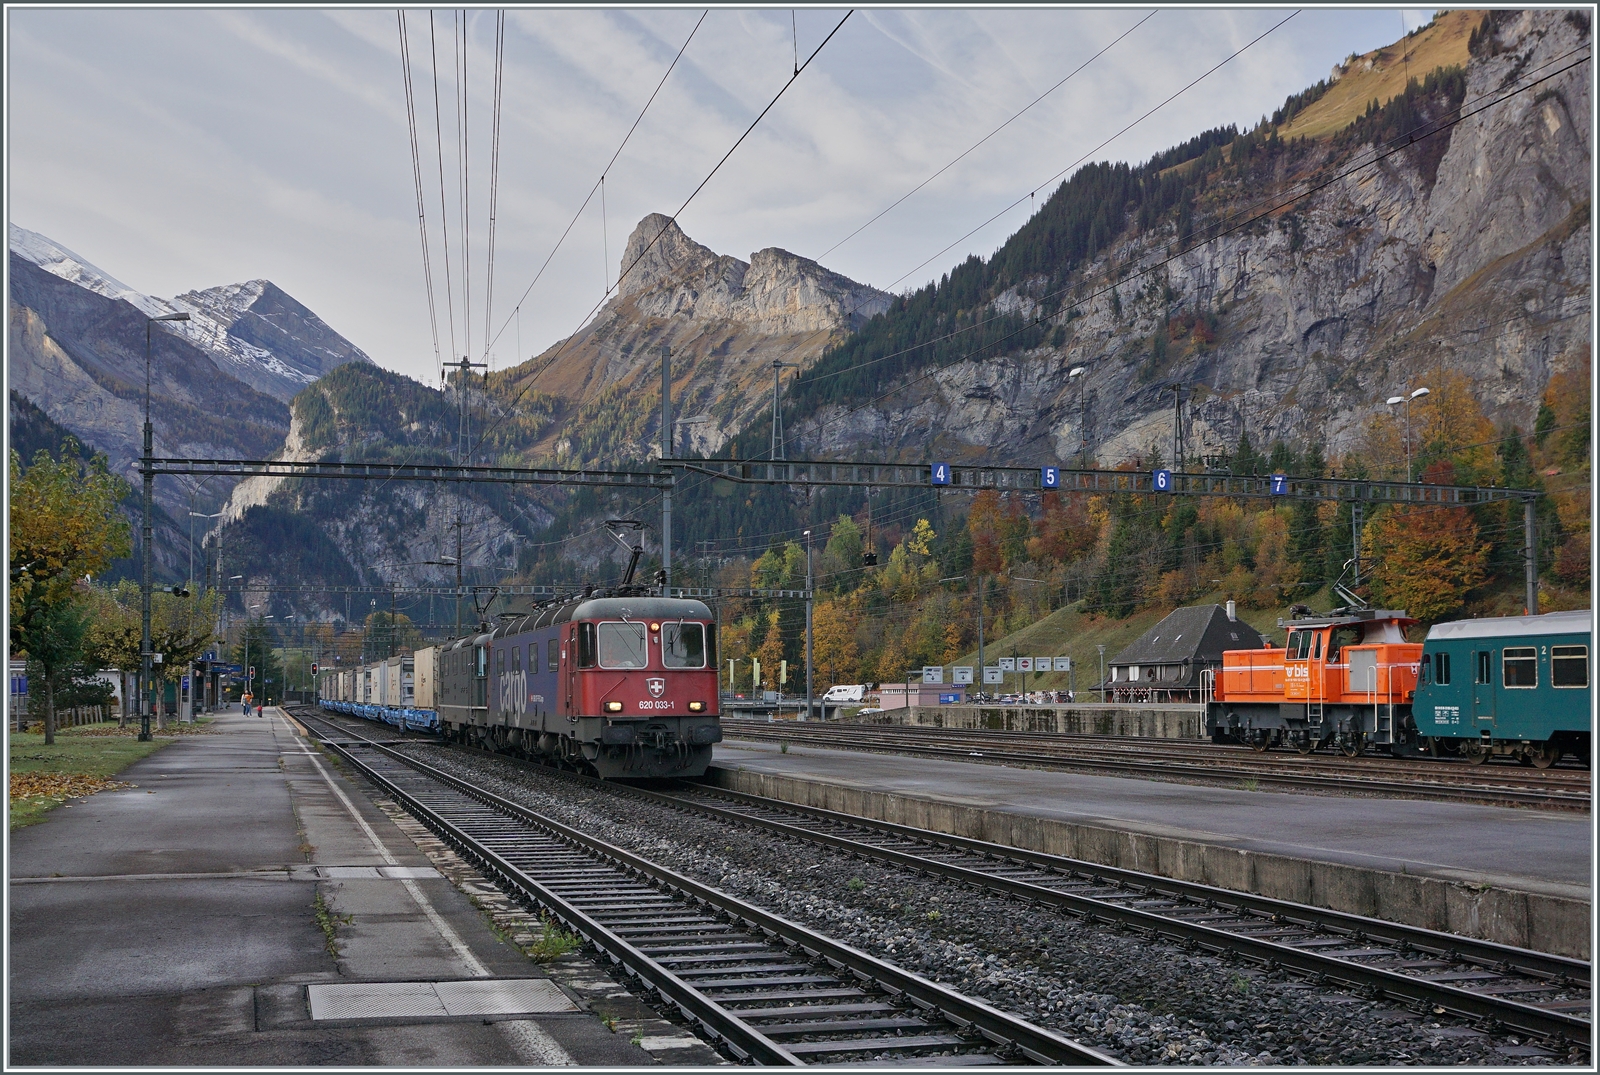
x,y
656,685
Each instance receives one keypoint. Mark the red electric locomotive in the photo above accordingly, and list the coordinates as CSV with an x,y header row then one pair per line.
x,y
621,686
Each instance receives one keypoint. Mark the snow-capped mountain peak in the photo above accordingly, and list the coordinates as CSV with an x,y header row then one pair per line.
x,y
253,331
56,259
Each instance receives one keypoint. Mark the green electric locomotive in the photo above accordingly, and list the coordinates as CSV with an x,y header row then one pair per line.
x,y
1513,686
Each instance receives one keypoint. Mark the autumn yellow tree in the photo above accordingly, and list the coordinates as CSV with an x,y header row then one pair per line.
x,y
833,640
770,653
1426,559
64,526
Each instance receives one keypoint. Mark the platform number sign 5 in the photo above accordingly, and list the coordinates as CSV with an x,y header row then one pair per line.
x,y
1050,477
1280,484
941,474
1161,481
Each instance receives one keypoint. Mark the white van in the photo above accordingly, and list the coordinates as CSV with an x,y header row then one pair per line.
x,y
845,694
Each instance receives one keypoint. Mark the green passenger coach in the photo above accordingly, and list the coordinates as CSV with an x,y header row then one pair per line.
x,y
1514,686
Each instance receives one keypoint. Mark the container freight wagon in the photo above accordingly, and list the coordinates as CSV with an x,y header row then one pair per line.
x,y
1513,686
1340,680
381,691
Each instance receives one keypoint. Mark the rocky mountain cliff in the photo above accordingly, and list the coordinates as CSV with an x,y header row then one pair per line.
x,y
1464,251
725,320
220,383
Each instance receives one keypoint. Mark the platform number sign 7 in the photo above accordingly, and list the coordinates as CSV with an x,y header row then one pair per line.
x,y
1280,484
941,474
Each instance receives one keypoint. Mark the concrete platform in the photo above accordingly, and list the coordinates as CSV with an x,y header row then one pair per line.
x,y
1155,721
1519,877
176,924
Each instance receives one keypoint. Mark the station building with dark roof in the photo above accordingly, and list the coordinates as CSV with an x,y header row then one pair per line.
x,y
1167,662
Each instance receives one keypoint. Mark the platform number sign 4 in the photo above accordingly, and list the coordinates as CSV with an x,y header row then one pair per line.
x,y
941,474
1050,477
1280,484
1161,481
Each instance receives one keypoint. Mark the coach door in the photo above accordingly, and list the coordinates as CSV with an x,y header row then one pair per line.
x,y
1483,687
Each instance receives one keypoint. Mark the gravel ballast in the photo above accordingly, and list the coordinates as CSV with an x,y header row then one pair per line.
x,y
1142,1000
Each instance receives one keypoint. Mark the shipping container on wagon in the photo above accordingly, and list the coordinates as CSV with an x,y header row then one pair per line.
x,y
423,676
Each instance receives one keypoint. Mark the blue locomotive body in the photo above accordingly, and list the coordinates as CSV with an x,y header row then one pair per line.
x,y
1517,686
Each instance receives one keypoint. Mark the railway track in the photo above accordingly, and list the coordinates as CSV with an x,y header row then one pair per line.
x,y
1562,789
764,988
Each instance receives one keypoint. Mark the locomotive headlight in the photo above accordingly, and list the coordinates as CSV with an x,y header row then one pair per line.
x,y
655,627
695,707
613,707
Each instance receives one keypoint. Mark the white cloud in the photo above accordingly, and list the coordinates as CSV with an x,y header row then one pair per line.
x,y
183,148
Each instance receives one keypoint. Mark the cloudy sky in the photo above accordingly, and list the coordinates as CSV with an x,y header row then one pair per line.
x,y
185,148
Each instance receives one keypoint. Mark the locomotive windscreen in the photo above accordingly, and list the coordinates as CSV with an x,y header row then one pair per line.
x,y
623,645
683,645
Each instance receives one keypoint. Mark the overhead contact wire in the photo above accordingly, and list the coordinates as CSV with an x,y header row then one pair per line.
x,y
579,214
674,218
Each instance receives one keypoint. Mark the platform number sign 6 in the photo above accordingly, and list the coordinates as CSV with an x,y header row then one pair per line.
x,y
1050,477
1280,484
941,473
1161,481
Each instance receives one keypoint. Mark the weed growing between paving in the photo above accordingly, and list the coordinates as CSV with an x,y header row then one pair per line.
x,y
81,762
329,923
553,943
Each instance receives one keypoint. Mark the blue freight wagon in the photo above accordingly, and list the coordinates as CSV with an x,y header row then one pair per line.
x,y
1513,686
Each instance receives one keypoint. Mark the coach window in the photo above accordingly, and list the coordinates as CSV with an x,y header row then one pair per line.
x,y
585,645
1484,667
1569,666
683,645
1521,666
623,645
1441,669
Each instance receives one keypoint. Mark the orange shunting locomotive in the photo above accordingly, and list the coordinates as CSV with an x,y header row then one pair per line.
x,y
1346,680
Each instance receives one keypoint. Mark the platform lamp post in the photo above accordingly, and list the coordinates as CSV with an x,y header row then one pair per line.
x,y
1102,650
147,472
1406,401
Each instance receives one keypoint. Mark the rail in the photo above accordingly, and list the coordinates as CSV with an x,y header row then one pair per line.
x,y
591,886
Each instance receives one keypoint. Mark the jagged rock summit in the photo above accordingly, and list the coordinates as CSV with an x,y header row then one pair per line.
x,y
725,321
668,274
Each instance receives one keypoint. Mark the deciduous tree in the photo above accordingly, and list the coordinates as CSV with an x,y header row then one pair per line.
x,y
1426,559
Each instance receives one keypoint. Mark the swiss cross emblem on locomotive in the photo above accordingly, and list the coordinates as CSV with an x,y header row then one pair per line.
x,y
657,687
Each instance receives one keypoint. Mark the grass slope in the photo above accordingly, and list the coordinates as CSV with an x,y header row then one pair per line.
x,y
1068,632
1382,74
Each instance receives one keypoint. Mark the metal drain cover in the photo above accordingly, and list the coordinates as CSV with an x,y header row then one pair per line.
x,y
424,1000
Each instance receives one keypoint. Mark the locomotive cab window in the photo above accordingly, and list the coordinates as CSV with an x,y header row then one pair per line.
x,y
1521,666
623,645
553,655
1441,668
586,648
483,662
683,645
1342,637
1569,666
1316,653
500,662
1299,646
516,659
